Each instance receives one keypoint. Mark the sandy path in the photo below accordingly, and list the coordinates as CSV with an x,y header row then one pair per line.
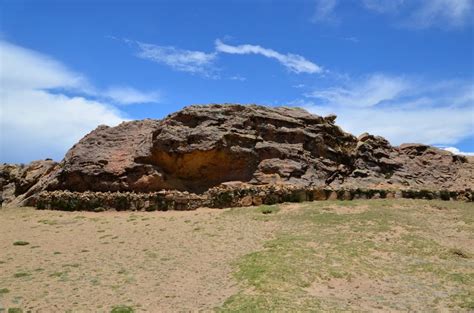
x,y
156,262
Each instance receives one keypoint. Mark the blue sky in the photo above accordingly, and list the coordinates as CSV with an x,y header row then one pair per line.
x,y
398,68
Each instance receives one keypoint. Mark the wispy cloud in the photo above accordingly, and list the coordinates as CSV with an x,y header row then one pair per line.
x,y
399,108
204,64
324,12
238,77
36,122
196,62
442,13
383,6
293,62
352,39
127,95
371,91
448,14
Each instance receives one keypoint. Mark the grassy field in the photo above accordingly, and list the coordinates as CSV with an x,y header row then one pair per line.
x,y
376,255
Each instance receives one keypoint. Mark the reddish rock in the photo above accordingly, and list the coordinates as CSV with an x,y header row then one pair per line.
x,y
332,195
20,183
201,147
246,201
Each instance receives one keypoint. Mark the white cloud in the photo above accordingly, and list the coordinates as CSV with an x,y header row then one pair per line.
x,y
400,109
455,150
443,13
202,63
127,95
363,93
324,11
197,62
35,122
419,14
383,6
293,62
238,77
299,86
23,68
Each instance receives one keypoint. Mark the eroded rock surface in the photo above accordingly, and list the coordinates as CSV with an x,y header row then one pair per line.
x,y
19,182
201,147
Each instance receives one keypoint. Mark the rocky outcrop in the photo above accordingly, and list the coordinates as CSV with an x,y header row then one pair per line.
x,y
104,160
201,147
19,182
409,166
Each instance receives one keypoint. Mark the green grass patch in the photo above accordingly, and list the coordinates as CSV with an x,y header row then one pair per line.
x,y
268,269
268,209
464,300
375,239
63,276
122,309
48,222
21,274
21,243
268,303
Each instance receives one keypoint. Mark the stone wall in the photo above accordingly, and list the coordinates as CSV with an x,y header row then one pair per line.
x,y
120,201
222,197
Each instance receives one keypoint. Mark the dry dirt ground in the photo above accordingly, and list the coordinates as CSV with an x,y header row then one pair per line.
x,y
375,255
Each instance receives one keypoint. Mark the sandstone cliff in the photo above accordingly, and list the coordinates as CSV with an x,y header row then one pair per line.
x,y
201,147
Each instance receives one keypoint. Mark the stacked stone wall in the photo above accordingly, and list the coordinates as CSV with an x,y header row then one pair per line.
x,y
223,197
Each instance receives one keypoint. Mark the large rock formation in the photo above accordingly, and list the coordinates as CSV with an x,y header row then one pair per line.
x,y
201,147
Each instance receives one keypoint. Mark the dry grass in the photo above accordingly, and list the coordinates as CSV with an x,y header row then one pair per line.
x,y
94,262
376,255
